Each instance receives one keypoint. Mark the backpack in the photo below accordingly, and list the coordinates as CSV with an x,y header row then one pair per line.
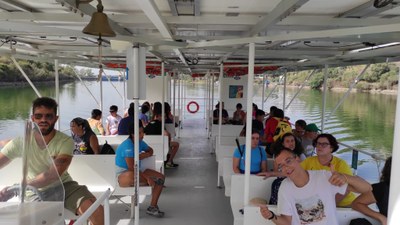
x,y
107,149
282,128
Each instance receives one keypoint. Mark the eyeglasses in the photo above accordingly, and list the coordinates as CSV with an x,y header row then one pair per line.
x,y
47,116
288,162
322,144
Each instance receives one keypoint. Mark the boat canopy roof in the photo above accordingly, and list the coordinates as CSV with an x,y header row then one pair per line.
x,y
196,36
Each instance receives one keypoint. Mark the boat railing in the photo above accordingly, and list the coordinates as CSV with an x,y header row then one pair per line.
x,y
354,159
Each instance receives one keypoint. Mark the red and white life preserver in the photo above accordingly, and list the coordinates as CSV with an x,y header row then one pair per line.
x,y
195,110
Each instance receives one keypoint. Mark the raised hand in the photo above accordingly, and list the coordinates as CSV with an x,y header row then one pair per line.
x,y
337,178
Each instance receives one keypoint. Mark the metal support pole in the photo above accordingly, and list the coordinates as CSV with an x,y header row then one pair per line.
x,y
136,75
163,103
301,88
347,92
212,103
57,84
250,81
324,98
26,76
80,79
109,80
174,94
221,72
263,91
124,91
179,106
273,89
284,90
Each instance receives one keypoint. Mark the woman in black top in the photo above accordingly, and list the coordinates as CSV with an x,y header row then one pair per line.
x,y
378,195
85,140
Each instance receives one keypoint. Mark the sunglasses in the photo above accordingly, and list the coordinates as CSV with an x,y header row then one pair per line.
x,y
48,116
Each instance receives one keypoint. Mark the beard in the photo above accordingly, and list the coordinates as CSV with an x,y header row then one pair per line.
x,y
47,131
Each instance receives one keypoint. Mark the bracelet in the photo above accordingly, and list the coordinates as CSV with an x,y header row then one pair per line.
x,y
345,177
273,216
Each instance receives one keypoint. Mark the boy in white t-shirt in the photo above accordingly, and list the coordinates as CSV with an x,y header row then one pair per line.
x,y
112,121
308,197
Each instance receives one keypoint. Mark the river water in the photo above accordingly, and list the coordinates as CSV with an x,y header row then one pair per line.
x,y
365,121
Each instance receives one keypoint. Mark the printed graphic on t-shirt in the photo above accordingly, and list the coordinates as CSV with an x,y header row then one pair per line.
x,y
310,210
80,147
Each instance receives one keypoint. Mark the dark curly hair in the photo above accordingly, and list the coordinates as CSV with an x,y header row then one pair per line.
x,y
332,141
278,145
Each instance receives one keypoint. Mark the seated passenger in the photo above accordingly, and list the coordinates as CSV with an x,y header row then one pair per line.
x,y
239,116
378,195
311,132
325,145
257,124
308,197
78,198
287,141
112,121
124,160
154,128
142,115
299,129
225,115
123,125
258,157
85,140
95,122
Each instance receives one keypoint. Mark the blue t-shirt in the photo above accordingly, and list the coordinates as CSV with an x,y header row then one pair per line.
x,y
125,150
258,155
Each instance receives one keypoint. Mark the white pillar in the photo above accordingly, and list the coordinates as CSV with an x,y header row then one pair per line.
x,y
136,75
57,81
324,98
394,196
263,92
284,90
250,80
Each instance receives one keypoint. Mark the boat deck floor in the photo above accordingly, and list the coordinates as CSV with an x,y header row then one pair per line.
x,y
191,196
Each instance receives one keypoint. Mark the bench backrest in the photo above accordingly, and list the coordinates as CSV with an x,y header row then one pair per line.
x,y
97,172
226,130
252,216
154,141
259,188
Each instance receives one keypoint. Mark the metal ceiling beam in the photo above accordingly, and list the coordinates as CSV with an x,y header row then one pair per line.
x,y
355,34
17,6
208,21
88,9
367,9
281,11
150,9
173,8
196,8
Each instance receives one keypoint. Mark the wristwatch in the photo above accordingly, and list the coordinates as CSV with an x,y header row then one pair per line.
x,y
273,216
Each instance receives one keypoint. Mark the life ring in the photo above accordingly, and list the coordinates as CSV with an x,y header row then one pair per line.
x,y
192,111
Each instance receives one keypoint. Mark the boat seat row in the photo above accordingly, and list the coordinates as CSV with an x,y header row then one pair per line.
x,y
260,188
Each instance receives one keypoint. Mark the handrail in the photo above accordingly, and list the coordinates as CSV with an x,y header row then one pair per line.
x,y
354,157
85,216
373,155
